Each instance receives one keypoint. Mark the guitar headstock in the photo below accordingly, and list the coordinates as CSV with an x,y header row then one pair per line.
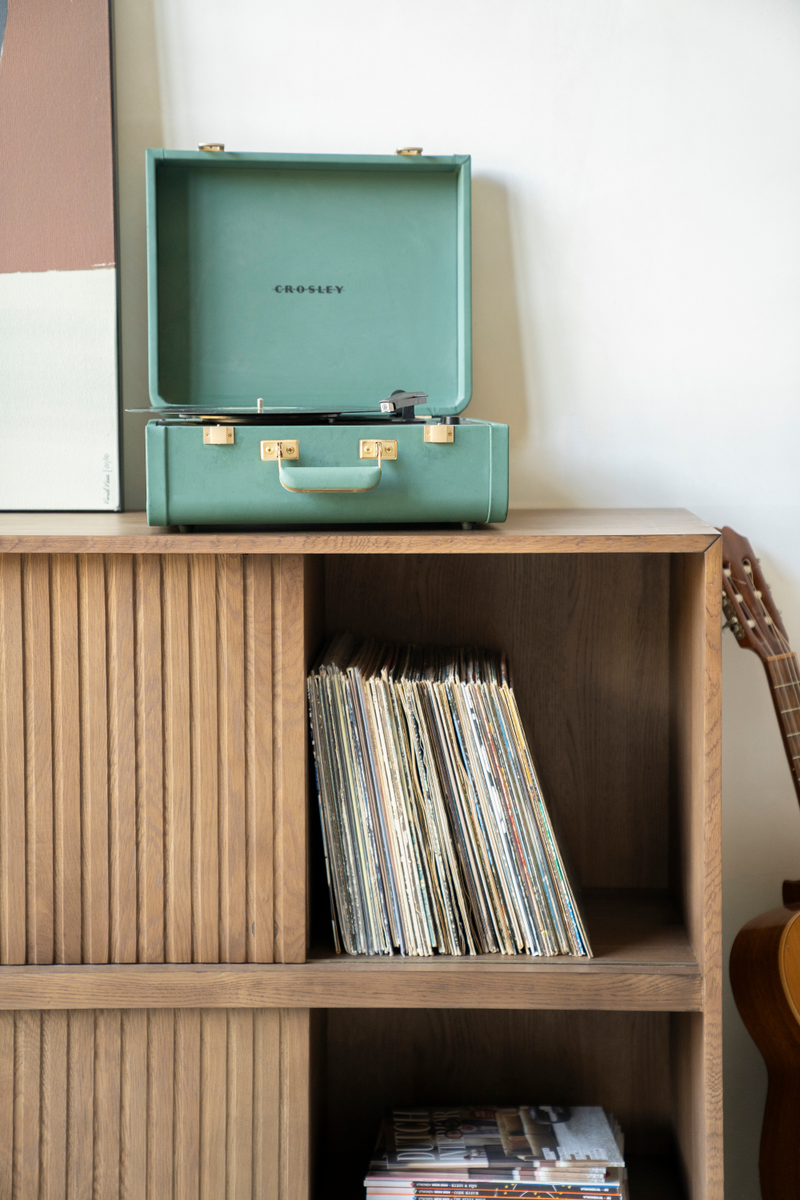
x,y
746,599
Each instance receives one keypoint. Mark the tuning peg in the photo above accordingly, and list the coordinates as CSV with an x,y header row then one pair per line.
x,y
726,571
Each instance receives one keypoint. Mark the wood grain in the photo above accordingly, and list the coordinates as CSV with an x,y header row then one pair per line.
x,y
149,759
240,1101
295,1114
587,640
214,1115
13,917
137,767
38,759
696,854
204,744
266,1103
419,1057
107,1092
289,748
66,759
80,1103
149,1105
186,1153
6,1102
53,1133
27,1116
160,1102
527,531
133,1106
231,759
94,758
121,758
188,662
258,667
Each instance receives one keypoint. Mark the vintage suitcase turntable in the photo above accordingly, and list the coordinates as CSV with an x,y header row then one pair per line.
x,y
310,342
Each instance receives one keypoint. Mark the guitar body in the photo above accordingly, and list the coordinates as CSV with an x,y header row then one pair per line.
x,y
765,977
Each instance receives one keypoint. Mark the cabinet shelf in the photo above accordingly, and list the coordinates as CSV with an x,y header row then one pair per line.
x,y
155,803
643,961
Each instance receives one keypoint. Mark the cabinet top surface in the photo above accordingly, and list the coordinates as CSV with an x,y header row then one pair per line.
x,y
610,530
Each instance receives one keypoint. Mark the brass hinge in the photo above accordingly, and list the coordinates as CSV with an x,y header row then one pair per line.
x,y
273,451
368,448
440,433
218,435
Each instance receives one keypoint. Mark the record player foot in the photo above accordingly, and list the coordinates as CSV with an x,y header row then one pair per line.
x,y
186,529
467,524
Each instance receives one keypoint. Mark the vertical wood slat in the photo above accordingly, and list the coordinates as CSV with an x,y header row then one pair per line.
x,y
13,938
149,760
107,1056
80,1104
204,733
38,757
231,759
53,1183
94,757
6,1102
133,1106
137,764
240,1105
66,759
151,1105
122,758
289,741
27,1071
295,1103
186,1151
213,1100
258,644
266,1102
177,762
160,1102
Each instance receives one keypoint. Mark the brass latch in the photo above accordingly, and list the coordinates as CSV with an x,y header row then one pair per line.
x,y
409,151
440,433
370,448
211,146
275,451
218,435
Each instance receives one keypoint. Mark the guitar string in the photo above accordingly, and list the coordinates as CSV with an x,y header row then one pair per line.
x,y
776,668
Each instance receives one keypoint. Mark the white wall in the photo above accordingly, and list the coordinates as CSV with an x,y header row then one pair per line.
x,y
637,274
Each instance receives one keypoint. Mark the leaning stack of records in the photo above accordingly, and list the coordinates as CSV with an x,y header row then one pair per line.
x,y
534,1152
436,833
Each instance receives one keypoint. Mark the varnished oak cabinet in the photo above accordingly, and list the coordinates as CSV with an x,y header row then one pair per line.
x,y
173,1020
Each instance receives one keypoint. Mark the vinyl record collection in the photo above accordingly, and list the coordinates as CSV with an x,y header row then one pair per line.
x,y
533,1152
436,833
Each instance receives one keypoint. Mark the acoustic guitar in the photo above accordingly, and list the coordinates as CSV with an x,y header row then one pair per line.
x,y
765,959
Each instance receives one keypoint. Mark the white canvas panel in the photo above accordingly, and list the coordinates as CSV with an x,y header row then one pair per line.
x,y
58,390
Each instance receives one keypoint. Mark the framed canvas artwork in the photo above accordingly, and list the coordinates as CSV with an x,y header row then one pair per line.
x,y
58,285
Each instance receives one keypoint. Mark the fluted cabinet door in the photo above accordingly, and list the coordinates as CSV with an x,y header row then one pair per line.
x,y
154,1104
152,758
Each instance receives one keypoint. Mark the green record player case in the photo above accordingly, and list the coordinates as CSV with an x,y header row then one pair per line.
x,y
310,342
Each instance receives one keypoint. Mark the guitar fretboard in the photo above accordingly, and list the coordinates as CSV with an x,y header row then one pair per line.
x,y
784,679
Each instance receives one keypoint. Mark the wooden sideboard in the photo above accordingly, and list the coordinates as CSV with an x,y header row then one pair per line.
x,y
173,1020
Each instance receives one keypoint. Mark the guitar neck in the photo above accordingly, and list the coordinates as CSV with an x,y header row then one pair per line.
x,y
784,681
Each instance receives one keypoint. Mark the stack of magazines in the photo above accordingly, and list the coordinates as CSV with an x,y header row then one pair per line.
x,y
436,833
534,1152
